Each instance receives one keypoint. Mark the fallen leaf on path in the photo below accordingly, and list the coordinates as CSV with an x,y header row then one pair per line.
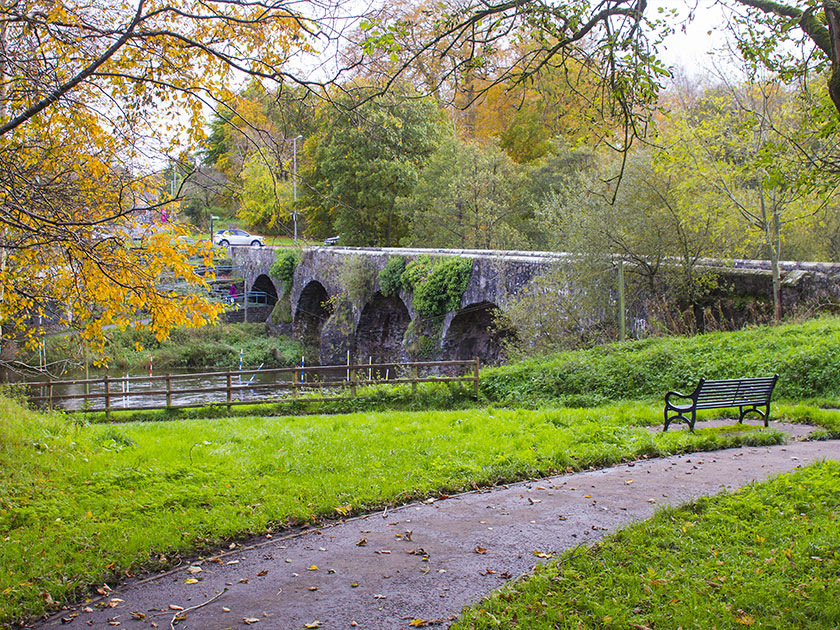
x,y
628,482
262,573
362,542
418,623
193,570
313,568
382,551
190,581
479,549
175,607
114,602
136,614
249,620
314,624
543,554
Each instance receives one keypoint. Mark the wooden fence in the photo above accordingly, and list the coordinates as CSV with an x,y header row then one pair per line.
x,y
286,385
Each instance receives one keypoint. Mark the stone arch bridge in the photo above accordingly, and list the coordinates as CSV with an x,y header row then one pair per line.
x,y
385,329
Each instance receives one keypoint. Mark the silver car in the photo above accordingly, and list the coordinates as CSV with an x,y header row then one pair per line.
x,y
234,238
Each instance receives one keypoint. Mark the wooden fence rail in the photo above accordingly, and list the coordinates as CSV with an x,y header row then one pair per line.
x,y
168,391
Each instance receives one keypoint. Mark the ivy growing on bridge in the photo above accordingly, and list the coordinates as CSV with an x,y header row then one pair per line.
x,y
283,268
437,286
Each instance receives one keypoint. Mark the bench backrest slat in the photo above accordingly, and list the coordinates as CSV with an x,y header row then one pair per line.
x,y
735,392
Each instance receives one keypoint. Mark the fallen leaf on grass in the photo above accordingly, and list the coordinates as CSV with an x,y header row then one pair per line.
x,y
637,626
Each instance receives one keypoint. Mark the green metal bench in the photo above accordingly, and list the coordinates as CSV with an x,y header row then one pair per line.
x,y
748,394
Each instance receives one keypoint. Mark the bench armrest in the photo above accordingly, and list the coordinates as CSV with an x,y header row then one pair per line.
x,y
677,395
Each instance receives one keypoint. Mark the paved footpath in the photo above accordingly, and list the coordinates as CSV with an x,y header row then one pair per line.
x,y
424,561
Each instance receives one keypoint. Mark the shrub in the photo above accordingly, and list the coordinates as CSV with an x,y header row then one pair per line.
x,y
284,267
442,289
415,272
390,278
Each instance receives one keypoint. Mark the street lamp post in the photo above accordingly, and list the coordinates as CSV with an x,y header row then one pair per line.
x,y
213,217
294,182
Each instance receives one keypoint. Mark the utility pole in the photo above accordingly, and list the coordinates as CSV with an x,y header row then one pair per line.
x,y
294,182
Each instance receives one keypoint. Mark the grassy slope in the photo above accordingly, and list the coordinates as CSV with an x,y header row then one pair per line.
x,y
803,355
766,557
81,504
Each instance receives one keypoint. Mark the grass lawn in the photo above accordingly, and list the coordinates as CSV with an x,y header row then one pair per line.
x,y
766,556
82,504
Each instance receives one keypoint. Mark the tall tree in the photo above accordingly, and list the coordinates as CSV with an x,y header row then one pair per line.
x,y
754,144
91,95
466,197
361,160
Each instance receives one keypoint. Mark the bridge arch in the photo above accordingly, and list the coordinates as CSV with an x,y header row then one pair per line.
x,y
473,332
381,330
264,284
313,309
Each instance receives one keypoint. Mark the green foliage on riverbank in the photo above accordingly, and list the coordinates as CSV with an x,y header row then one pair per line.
x,y
208,347
765,557
82,504
803,355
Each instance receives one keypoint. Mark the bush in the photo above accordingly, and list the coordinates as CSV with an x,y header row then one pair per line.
x,y
390,278
415,272
283,268
442,289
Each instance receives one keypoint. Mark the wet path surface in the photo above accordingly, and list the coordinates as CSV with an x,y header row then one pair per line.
x,y
425,561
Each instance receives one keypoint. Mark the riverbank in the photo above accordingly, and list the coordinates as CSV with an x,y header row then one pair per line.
x,y
205,348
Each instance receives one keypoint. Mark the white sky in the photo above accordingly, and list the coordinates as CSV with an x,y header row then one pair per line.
x,y
692,42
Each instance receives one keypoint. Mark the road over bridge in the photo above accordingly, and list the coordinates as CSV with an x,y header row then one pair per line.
x,y
389,328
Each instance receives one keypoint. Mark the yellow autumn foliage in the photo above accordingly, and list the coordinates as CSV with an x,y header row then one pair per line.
x,y
95,96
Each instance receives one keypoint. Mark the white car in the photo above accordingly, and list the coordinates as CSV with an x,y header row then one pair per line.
x,y
233,238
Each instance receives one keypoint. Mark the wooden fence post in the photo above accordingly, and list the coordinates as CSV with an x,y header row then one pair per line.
x,y
229,391
353,381
295,383
107,396
416,373
475,374
168,390
50,393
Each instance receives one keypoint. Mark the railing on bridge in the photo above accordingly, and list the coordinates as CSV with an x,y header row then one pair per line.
x,y
245,387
